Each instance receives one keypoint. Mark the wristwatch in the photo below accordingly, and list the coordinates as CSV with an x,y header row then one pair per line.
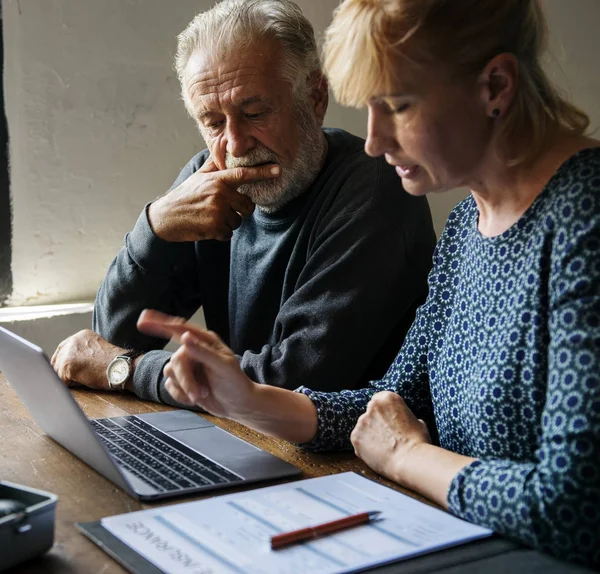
x,y
120,370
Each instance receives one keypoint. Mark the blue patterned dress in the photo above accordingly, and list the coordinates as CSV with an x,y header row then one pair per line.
x,y
503,361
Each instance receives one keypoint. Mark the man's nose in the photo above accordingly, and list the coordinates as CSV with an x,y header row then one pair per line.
x,y
239,140
380,134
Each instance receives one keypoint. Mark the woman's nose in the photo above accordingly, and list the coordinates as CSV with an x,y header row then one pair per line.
x,y
380,134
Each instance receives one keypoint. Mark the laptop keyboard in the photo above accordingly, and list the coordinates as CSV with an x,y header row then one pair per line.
x,y
155,457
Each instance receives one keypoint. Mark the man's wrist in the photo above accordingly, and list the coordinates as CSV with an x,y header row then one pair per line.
x,y
129,386
119,372
153,217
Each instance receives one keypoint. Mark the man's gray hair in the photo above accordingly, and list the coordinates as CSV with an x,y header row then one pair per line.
x,y
233,25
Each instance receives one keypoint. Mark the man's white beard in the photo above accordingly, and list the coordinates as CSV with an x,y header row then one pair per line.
x,y
271,195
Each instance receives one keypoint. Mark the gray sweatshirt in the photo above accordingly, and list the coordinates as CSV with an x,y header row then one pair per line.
x,y
320,293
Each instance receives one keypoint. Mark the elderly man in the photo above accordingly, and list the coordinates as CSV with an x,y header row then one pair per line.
x,y
306,255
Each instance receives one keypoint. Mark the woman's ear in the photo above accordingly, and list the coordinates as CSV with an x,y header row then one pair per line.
x,y
498,84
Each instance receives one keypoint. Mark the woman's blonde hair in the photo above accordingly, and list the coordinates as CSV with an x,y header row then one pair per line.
x,y
368,38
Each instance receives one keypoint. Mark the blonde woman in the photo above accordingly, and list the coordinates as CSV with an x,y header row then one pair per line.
x,y
492,406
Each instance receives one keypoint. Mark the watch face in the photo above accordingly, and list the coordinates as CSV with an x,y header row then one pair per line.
x,y
118,372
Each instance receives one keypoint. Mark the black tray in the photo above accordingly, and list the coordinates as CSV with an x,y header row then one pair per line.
x,y
24,536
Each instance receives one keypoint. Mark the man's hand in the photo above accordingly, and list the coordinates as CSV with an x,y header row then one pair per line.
x,y
203,371
386,433
207,205
83,359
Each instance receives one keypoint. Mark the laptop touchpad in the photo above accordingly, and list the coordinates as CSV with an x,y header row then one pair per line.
x,y
170,421
214,443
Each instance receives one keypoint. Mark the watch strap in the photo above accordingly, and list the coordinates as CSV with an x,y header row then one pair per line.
x,y
131,354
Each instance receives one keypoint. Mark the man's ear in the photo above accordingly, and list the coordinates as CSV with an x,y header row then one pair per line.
x,y
498,83
319,94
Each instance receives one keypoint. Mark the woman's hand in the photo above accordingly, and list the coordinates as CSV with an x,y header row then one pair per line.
x,y
203,371
397,445
206,373
386,433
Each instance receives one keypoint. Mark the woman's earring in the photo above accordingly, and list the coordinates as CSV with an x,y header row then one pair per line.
x,y
495,113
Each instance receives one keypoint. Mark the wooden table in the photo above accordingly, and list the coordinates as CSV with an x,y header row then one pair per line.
x,y
29,457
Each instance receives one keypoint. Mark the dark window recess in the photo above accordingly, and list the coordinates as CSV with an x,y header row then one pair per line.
x,y
5,208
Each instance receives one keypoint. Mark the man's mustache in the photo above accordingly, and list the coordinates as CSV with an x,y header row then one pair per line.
x,y
255,157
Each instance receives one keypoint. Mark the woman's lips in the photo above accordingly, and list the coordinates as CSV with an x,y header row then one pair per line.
x,y
407,171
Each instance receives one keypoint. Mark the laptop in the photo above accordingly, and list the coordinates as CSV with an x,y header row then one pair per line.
x,y
150,456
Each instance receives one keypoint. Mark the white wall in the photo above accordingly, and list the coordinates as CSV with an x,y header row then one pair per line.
x,y
574,52
97,128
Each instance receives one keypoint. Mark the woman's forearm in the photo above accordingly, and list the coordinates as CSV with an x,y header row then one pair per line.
x,y
429,470
279,413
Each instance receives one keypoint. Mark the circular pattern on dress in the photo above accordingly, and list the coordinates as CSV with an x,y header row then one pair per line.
x,y
503,362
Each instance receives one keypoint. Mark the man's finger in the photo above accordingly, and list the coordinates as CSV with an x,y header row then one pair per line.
x,y
208,166
57,353
240,203
236,176
62,375
234,219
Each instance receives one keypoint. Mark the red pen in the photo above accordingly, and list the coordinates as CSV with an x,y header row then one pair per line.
x,y
280,540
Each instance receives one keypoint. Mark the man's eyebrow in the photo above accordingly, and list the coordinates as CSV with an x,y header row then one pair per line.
x,y
205,114
245,102
252,100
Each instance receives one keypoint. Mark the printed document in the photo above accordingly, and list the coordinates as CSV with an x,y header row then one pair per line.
x,y
230,534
